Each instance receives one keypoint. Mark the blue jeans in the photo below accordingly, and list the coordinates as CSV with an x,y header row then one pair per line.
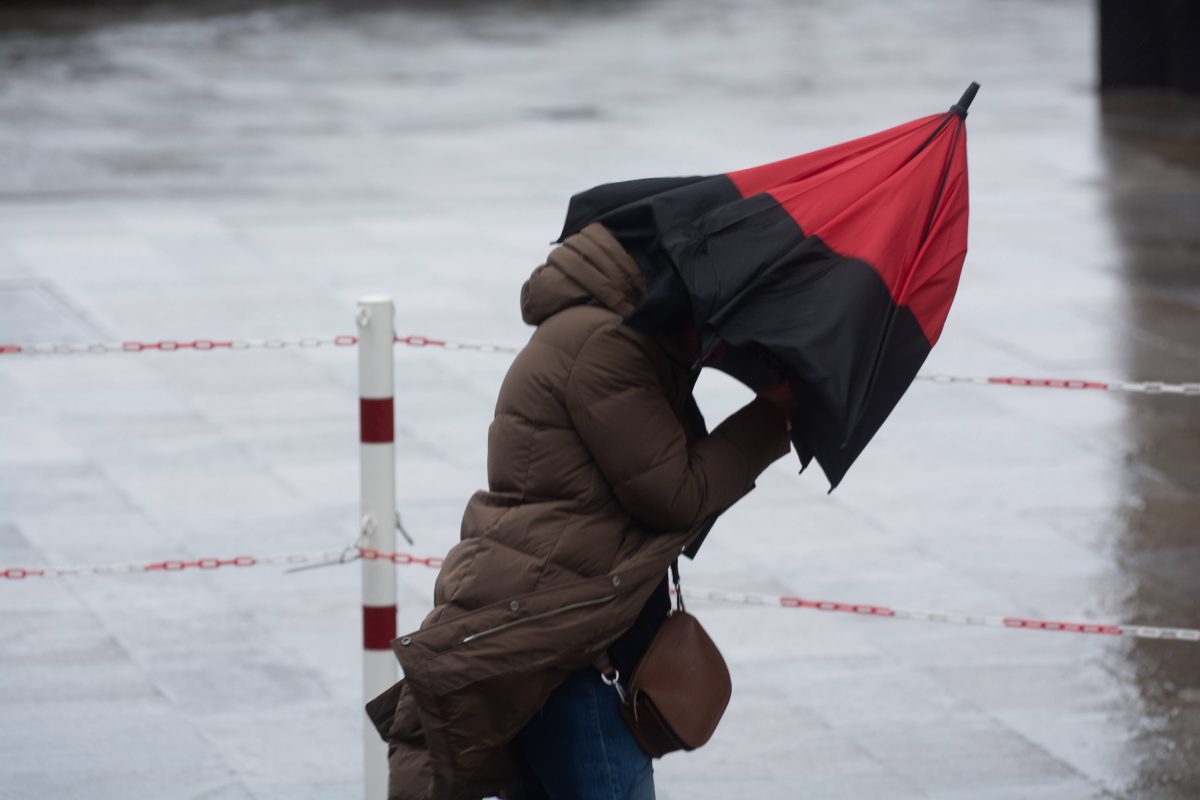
x,y
579,748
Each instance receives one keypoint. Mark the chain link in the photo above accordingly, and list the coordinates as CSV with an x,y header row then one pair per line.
x,y
315,558
404,559
865,609
1133,387
744,598
1156,387
417,340
126,568
446,344
272,343
172,345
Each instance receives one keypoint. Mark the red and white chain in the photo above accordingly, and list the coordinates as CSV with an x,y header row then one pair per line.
x,y
272,343
1136,631
179,565
745,598
415,340
171,345
1136,387
450,344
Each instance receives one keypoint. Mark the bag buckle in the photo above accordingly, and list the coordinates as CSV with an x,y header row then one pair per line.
x,y
678,587
613,679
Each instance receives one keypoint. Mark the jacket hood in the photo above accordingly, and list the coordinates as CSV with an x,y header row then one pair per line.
x,y
588,268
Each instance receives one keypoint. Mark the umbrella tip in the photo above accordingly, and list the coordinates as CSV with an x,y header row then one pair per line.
x,y
964,102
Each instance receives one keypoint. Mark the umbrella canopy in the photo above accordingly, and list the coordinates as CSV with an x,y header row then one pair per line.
x,y
834,270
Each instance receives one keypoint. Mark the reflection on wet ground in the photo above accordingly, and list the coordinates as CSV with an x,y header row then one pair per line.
x,y
175,170
1151,148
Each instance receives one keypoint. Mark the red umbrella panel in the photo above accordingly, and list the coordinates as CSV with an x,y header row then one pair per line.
x,y
834,270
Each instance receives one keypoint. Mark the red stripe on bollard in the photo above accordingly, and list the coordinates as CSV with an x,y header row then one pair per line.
x,y
379,627
376,420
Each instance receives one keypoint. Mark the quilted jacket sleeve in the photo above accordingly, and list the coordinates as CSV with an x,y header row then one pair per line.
x,y
620,409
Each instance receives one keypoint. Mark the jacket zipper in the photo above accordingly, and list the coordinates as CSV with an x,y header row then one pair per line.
x,y
543,615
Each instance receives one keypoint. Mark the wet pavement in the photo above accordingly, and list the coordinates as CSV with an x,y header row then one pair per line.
x,y
210,173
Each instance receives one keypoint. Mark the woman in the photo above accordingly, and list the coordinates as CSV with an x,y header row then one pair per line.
x,y
599,475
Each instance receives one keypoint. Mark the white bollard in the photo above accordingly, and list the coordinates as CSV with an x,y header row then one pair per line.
x,y
377,478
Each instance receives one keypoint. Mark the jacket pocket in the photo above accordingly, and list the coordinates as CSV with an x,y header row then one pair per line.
x,y
536,617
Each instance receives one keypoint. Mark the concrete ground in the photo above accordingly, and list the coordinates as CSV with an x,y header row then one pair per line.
x,y
249,169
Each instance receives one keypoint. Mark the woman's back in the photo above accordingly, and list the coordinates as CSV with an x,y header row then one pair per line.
x,y
594,487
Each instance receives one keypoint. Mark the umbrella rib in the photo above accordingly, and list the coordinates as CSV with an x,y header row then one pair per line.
x,y
937,197
887,328
928,140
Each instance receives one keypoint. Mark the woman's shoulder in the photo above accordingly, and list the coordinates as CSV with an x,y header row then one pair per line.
x,y
590,344
579,330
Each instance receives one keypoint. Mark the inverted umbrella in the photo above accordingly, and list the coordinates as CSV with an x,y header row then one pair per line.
x,y
834,270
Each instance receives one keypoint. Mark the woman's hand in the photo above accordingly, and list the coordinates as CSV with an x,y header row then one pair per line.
x,y
780,395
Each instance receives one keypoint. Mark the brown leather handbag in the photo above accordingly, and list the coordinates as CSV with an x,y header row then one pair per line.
x,y
679,689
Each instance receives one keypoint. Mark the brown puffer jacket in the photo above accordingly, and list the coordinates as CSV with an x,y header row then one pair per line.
x,y
593,489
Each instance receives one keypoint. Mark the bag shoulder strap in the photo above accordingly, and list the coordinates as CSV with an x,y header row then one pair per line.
x,y
603,663
678,588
